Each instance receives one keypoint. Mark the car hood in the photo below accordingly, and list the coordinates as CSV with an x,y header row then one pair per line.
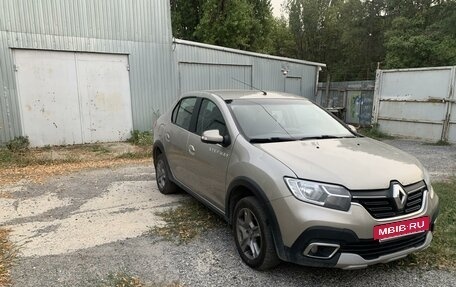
x,y
356,163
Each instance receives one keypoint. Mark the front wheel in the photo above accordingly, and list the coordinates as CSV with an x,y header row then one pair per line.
x,y
253,236
162,175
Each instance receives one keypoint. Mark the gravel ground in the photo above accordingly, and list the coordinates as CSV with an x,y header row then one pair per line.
x,y
74,230
440,161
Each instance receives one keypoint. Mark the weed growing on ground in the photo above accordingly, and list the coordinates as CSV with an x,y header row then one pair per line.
x,y
186,221
144,138
136,155
18,144
123,279
8,253
375,133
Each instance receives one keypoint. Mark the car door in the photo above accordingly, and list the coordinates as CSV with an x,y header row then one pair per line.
x,y
208,162
176,137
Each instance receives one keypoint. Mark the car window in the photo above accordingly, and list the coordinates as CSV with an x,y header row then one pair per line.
x,y
210,118
184,113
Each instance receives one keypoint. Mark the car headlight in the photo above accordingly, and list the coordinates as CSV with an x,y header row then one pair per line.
x,y
327,195
427,180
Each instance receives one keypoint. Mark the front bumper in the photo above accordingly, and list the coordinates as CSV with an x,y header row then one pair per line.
x,y
352,231
355,261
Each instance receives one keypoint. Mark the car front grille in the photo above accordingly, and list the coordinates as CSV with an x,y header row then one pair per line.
x,y
380,203
372,249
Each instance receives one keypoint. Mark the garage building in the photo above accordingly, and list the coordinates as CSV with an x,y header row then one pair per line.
x,y
83,71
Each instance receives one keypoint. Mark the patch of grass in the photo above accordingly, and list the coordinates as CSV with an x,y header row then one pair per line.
x,y
375,133
26,158
135,155
8,253
18,144
439,143
99,149
186,221
442,252
144,138
6,156
122,279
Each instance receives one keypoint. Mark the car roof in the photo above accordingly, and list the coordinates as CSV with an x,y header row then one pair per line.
x,y
251,94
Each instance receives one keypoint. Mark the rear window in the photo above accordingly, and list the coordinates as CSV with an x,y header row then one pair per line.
x,y
182,114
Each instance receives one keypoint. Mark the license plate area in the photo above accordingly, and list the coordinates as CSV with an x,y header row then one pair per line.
x,y
401,228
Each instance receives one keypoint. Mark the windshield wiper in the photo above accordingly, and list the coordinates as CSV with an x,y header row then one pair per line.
x,y
324,137
271,140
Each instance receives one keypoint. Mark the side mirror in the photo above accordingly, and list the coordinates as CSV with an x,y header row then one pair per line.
x,y
352,128
212,137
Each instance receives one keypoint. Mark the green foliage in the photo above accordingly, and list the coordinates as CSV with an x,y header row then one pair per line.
x,y
282,39
185,17
144,138
346,35
6,156
422,35
240,24
18,144
226,23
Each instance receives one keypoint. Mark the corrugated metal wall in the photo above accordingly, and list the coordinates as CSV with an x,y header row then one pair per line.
x,y
140,29
267,71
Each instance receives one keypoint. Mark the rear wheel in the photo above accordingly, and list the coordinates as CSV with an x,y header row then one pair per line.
x,y
162,175
253,236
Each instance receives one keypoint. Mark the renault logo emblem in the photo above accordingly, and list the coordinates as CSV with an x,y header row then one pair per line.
x,y
399,196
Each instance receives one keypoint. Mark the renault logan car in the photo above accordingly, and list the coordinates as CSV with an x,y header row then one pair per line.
x,y
295,183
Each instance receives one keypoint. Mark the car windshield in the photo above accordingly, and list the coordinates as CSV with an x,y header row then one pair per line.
x,y
267,120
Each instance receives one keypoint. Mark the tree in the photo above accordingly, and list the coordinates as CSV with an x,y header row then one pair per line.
x,y
226,23
241,24
422,35
283,43
185,17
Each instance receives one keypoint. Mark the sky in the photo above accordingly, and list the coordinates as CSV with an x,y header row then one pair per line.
x,y
276,8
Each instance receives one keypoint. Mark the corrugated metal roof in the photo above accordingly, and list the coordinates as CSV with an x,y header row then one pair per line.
x,y
247,53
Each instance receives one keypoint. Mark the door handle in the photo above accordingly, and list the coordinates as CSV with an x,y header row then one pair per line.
x,y
167,137
191,149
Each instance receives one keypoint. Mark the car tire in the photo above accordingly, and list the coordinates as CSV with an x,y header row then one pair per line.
x,y
162,176
253,236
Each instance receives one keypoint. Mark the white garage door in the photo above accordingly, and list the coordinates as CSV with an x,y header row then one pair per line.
x,y
71,98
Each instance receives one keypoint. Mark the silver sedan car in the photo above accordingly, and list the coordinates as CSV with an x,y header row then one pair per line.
x,y
294,182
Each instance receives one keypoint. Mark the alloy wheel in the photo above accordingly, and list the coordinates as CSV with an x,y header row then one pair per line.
x,y
248,233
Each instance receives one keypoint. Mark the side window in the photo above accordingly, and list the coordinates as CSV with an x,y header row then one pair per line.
x,y
182,115
210,118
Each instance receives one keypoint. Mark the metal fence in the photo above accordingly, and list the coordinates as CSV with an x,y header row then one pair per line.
x,y
416,103
351,101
